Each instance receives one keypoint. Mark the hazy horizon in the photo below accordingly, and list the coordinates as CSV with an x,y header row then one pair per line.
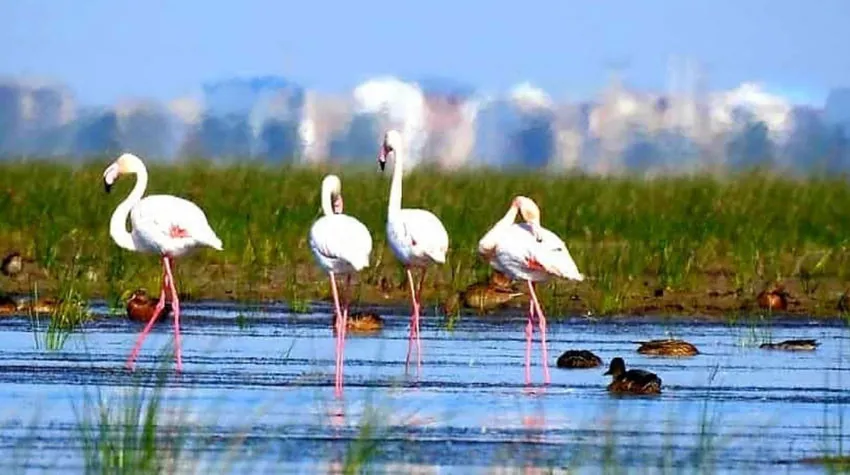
x,y
107,51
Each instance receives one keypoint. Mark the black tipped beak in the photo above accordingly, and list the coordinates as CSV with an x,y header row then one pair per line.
x,y
107,187
607,373
382,165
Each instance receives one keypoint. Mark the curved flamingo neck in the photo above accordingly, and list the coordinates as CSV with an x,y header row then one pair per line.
x,y
118,222
489,241
327,195
395,187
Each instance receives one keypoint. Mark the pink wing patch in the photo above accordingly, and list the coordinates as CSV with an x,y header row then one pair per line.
x,y
178,232
533,264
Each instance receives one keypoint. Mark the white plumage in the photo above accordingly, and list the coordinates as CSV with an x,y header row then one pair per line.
x,y
340,243
522,257
154,217
417,237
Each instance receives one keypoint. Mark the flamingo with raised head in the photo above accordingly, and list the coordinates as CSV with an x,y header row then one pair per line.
x,y
341,245
528,251
417,237
162,224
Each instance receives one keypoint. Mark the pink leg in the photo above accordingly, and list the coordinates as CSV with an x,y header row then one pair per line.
x,y
529,328
340,334
418,310
175,306
542,324
157,311
414,323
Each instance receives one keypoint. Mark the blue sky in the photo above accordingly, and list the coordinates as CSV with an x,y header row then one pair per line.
x,y
108,49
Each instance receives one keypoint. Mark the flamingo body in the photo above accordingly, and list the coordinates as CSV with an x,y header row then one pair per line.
x,y
521,256
169,225
340,244
417,237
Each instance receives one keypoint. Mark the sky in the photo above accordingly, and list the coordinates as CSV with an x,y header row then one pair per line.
x,y
106,50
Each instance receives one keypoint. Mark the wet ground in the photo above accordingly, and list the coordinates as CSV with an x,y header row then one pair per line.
x,y
256,395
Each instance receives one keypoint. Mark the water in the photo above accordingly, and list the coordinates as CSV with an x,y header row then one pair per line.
x,y
257,394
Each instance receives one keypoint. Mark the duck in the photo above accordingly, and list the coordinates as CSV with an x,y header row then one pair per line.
x,y
792,345
364,322
12,264
633,381
669,347
140,306
9,305
578,359
775,300
484,296
46,305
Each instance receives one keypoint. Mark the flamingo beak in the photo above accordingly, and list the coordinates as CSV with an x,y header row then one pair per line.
x,y
110,175
382,156
337,204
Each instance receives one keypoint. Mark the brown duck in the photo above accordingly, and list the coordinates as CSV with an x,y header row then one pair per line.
x,y
12,264
9,306
669,347
140,307
578,359
775,300
633,381
792,345
364,322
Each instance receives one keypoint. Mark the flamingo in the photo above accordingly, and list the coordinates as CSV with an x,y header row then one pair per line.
x,y
341,246
162,224
417,237
532,253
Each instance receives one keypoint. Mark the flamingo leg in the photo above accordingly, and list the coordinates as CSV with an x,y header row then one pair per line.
x,y
157,311
418,310
175,306
340,334
541,322
414,323
529,329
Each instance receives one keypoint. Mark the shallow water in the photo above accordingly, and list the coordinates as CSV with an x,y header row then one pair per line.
x,y
257,395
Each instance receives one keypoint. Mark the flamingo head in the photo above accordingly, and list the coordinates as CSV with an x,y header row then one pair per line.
x,y
332,190
392,141
530,214
126,163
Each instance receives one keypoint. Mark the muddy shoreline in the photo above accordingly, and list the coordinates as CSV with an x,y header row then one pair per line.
x,y
716,296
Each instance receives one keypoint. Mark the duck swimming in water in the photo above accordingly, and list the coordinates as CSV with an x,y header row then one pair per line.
x,y
578,359
792,345
633,381
363,322
140,306
668,347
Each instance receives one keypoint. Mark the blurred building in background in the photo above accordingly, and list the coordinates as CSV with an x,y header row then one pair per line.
x,y
445,123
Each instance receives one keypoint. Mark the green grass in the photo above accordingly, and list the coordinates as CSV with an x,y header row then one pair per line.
x,y
627,234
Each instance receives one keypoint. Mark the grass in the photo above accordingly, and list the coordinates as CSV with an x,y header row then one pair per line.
x,y
680,236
